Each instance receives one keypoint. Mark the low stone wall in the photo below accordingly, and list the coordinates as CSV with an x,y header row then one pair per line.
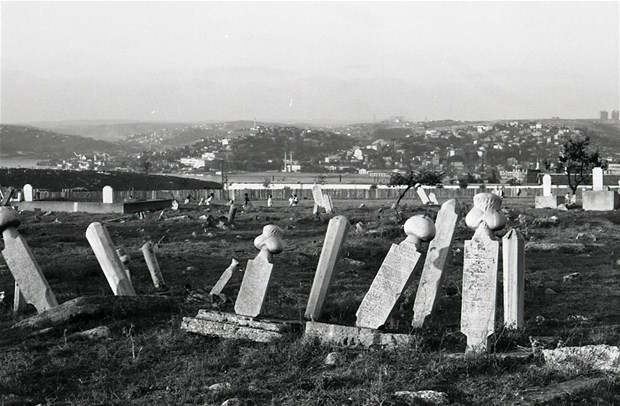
x,y
95,207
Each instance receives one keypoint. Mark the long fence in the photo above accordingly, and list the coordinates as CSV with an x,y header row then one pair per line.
x,y
303,191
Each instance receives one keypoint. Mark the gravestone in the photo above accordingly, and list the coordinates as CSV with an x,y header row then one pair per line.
x,y
438,250
125,258
597,179
421,194
514,278
258,272
28,193
394,274
153,266
480,267
232,212
19,301
433,198
599,199
22,264
327,203
224,278
547,200
317,195
334,239
114,270
108,194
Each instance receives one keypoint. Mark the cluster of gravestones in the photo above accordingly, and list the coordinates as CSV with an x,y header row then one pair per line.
x,y
480,270
599,198
30,283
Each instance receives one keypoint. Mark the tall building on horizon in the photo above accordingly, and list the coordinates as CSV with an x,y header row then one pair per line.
x,y
615,115
604,115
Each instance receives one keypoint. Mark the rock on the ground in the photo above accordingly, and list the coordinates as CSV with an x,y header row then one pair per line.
x,y
218,387
96,333
333,358
571,277
427,396
599,357
232,402
586,238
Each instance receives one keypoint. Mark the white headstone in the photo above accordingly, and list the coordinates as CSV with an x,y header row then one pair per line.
x,y
514,278
108,194
422,194
547,185
224,278
327,203
597,179
433,198
317,195
28,193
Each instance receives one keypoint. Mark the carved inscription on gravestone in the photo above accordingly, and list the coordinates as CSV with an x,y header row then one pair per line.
x,y
479,290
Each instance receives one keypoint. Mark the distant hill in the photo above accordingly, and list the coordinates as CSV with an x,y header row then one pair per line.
x,y
22,140
52,179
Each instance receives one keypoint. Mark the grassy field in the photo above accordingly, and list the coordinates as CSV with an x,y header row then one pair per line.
x,y
148,360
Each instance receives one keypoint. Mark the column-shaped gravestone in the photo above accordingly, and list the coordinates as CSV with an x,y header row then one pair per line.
x,y
547,185
421,193
232,212
28,193
514,278
103,247
480,267
226,275
258,272
438,250
22,264
394,274
108,194
597,179
125,259
334,239
153,265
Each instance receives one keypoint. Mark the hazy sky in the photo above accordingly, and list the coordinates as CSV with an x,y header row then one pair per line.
x,y
308,61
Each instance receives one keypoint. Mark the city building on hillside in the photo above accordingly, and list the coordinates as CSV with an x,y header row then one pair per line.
x,y
193,162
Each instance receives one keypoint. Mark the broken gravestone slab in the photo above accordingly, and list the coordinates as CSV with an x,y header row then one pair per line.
x,y
224,278
23,265
394,274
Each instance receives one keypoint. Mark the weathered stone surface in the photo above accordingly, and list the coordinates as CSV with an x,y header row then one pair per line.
x,y
514,278
91,307
433,198
555,392
224,278
28,193
219,387
114,270
229,330
429,397
26,271
571,247
598,357
153,265
97,333
346,336
327,202
422,195
334,239
317,195
388,285
479,289
438,250
280,326
548,202
125,259
597,179
254,286
600,200
547,185
108,194
333,359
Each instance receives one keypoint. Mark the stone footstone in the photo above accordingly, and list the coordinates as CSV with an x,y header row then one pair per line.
x,y
153,265
348,336
480,267
394,274
334,239
438,250
114,270
514,279
23,265
258,272
233,326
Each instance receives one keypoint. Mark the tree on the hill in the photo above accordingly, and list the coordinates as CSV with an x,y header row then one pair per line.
x,y
577,161
414,177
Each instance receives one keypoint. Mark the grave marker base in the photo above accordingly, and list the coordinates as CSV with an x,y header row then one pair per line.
x,y
600,200
548,202
348,336
234,326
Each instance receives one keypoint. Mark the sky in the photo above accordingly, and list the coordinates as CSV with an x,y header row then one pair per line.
x,y
310,62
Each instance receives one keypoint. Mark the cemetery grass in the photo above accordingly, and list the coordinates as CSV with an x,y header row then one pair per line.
x,y
148,359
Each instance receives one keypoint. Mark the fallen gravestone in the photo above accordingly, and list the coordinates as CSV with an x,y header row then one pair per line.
x,y
22,264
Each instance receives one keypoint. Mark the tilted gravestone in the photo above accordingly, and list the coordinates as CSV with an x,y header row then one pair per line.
x,y
153,265
114,270
334,239
514,278
394,274
438,250
480,268
317,195
224,278
421,194
125,259
22,264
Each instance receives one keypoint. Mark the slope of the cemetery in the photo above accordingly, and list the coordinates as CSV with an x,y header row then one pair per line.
x,y
55,180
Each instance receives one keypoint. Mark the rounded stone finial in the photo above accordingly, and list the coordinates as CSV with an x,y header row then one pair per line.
x,y
8,218
486,201
271,239
419,228
486,210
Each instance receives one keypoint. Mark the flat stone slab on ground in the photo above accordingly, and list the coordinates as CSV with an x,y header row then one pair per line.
x,y
349,336
234,326
555,392
548,202
598,357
